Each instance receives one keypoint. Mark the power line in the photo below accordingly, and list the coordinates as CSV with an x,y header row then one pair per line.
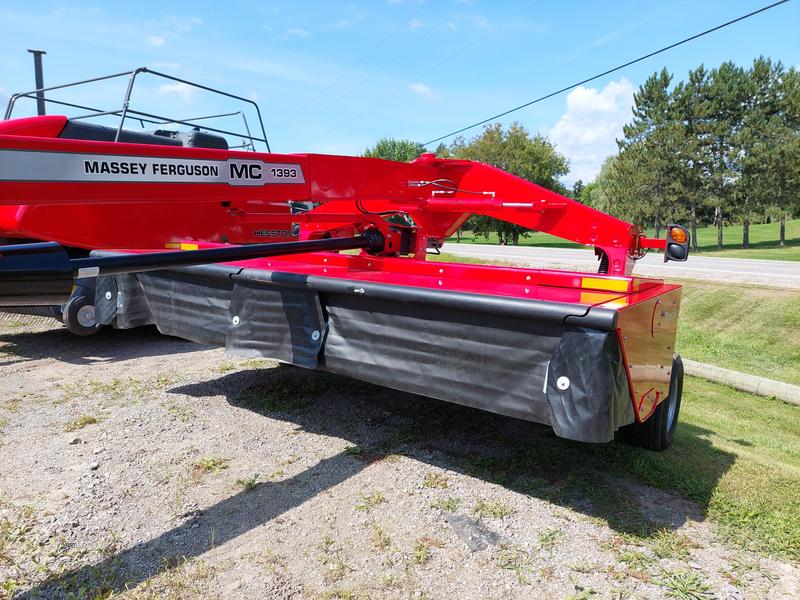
x,y
609,71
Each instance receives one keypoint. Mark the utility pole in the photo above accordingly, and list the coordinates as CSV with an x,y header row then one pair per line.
x,y
37,67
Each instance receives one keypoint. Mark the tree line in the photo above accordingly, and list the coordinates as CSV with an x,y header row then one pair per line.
x,y
723,146
514,149
720,147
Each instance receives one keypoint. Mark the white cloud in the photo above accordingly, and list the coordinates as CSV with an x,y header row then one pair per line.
x,y
587,132
420,89
480,22
347,22
183,24
155,40
185,92
298,32
469,21
415,24
169,27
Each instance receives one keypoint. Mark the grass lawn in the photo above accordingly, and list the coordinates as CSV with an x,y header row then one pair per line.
x,y
763,241
750,329
735,454
452,258
535,239
738,456
761,237
754,444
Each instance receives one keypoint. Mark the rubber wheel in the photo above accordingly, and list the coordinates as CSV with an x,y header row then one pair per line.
x,y
657,432
78,316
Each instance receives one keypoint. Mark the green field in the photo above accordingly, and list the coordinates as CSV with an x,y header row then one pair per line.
x,y
738,455
749,329
735,454
763,241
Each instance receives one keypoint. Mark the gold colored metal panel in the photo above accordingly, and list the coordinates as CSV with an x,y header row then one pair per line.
x,y
647,333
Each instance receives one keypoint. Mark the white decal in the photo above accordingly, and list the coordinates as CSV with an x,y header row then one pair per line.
x,y
23,165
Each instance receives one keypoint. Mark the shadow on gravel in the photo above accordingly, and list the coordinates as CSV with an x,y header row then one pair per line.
x,y
108,345
635,491
214,526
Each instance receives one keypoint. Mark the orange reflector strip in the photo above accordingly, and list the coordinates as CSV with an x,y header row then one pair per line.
x,y
605,284
188,246
602,298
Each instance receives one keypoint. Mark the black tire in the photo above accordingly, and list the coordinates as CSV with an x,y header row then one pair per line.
x,y
76,315
57,312
657,432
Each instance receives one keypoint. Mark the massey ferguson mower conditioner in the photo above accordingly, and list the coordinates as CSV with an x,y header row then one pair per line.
x,y
241,248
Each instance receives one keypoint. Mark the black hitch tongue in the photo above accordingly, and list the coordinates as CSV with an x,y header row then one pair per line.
x,y
42,273
37,274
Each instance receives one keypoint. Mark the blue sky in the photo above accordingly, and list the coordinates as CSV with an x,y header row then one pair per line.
x,y
334,77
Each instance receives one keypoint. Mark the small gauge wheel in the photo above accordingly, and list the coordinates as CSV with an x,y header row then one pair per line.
x,y
79,316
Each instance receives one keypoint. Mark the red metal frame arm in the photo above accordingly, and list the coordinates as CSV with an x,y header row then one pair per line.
x,y
352,192
439,195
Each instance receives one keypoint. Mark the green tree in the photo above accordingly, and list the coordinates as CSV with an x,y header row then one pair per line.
x,y
721,145
628,186
598,193
787,165
786,170
759,140
723,104
393,149
442,151
649,162
688,110
531,157
577,190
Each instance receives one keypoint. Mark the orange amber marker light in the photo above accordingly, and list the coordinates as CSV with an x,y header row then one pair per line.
x,y
678,235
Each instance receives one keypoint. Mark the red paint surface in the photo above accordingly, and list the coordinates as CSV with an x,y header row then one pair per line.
x,y
102,215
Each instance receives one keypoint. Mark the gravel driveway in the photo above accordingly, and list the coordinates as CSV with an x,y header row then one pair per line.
x,y
144,466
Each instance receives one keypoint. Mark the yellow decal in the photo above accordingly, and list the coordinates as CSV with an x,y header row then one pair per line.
x,y
603,283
